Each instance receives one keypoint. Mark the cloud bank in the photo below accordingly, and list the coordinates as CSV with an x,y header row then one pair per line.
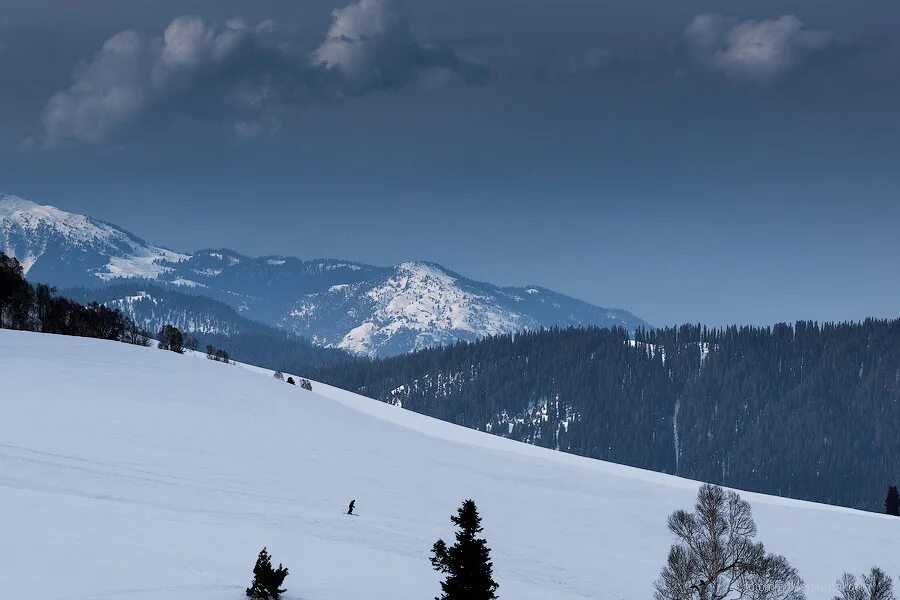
x,y
760,51
243,75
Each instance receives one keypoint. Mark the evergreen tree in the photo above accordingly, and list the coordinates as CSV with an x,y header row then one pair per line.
x,y
467,563
170,338
267,581
892,502
23,306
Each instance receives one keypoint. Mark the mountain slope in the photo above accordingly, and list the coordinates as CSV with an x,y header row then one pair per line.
x,y
418,305
162,476
367,310
211,322
759,408
66,249
153,306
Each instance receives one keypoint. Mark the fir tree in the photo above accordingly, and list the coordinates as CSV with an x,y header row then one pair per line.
x,y
266,580
892,502
467,563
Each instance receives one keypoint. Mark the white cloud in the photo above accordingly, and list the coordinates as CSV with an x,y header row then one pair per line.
x,y
108,92
241,75
756,50
193,68
371,46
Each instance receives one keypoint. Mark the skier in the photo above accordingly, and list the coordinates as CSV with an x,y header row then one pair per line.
x,y
352,504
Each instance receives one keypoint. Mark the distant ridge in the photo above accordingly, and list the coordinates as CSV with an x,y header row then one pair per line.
x,y
364,309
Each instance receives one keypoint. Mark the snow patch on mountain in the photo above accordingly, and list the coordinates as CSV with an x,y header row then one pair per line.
x,y
181,282
145,266
359,340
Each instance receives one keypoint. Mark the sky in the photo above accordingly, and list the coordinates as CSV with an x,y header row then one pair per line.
x,y
699,161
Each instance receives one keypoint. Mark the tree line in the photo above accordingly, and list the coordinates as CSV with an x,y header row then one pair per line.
x,y
806,410
38,308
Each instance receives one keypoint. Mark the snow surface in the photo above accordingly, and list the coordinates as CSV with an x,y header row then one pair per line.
x,y
138,474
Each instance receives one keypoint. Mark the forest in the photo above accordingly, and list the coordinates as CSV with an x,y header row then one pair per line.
x,y
807,410
39,308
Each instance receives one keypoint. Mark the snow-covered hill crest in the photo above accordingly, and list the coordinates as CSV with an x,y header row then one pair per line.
x,y
365,309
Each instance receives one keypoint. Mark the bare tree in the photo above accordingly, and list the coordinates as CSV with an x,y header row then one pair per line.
x,y
874,586
133,334
716,558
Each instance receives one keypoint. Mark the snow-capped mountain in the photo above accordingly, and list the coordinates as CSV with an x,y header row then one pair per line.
x,y
364,309
416,305
67,249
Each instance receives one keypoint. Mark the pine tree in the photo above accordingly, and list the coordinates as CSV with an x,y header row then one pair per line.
x,y
892,502
467,563
266,580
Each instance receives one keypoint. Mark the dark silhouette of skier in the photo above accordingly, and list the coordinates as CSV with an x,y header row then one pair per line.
x,y
352,504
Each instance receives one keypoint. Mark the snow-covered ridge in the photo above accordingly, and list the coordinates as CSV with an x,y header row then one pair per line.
x,y
427,301
29,230
367,310
183,469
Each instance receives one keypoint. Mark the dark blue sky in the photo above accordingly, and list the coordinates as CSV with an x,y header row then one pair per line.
x,y
695,161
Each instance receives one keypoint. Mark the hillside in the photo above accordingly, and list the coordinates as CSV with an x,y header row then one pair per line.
x,y
364,309
758,408
136,473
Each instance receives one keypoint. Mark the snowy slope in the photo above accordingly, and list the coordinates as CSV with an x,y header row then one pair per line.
x,y
138,474
365,309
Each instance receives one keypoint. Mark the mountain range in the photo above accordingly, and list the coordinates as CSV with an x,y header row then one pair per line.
x,y
363,309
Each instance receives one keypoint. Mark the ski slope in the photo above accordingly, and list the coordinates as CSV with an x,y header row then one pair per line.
x,y
138,474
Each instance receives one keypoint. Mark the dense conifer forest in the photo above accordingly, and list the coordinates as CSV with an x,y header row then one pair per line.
x,y
807,410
